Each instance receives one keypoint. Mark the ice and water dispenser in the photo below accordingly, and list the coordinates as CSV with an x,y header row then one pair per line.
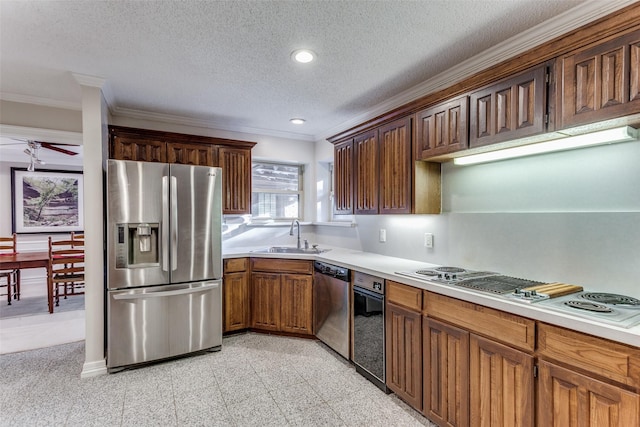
x,y
137,245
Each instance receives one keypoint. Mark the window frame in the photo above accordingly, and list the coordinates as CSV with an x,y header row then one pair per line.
x,y
299,192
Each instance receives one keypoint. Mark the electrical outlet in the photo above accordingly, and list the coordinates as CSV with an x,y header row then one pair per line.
x,y
428,240
383,235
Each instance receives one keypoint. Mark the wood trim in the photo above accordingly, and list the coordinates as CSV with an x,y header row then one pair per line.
x,y
498,325
404,295
600,30
608,359
178,137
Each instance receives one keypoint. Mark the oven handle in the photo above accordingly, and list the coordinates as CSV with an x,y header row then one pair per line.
x,y
367,292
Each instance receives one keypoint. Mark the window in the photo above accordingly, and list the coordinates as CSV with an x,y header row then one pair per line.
x,y
277,190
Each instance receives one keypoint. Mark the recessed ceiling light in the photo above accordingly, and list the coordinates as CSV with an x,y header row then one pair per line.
x,y
303,55
297,121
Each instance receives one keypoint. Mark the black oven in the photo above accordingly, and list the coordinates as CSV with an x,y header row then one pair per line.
x,y
368,328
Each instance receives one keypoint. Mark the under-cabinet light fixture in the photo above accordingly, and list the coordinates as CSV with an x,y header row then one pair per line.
x,y
609,136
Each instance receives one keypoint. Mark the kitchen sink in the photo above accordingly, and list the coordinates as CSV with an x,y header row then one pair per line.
x,y
289,250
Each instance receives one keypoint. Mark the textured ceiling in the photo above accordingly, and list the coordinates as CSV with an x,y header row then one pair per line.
x,y
228,62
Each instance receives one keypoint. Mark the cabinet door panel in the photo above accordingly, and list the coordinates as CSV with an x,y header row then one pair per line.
x,y
567,398
445,373
509,109
442,129
601,82
366,173
296,310
137,149
403,354
190,154
265,301
501,385
236,180
236,301
395,167
343,178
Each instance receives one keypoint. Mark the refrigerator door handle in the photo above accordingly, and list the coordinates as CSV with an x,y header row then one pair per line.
x,y
165,223
166,293
174,223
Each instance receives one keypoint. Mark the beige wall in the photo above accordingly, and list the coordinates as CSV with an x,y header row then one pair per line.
x,y
36,116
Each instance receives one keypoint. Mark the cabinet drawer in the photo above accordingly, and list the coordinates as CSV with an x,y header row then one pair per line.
x,y
507,328
282,265
609,359
233,265
404,295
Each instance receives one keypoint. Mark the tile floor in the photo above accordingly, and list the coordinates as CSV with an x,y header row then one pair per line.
x,y
256,380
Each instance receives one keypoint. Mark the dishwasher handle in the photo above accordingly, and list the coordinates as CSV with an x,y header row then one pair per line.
x,y
340,273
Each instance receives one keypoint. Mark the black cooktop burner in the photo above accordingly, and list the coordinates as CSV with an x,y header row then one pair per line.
x,y
606,298
450,269
588,306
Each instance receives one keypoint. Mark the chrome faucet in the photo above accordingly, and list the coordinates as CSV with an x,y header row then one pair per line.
x,y
295,222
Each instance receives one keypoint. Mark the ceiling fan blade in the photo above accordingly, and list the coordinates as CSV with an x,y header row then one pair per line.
x,y
54,147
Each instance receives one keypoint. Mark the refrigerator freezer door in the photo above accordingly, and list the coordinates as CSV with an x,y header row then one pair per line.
x,y
158,322
196,214
137,223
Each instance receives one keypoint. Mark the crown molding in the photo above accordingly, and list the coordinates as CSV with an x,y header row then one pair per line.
x,y
208,124
36,100
526,40
40,134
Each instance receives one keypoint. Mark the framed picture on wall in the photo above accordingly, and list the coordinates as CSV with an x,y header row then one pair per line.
x,y
46,201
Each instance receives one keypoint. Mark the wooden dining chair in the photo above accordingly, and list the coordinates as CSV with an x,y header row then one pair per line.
x,y
77,236
10,278
66,268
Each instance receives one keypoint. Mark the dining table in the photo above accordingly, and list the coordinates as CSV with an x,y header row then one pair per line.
x,y
22,260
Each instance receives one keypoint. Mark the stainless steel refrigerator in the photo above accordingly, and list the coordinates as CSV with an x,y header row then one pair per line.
x,y
164,261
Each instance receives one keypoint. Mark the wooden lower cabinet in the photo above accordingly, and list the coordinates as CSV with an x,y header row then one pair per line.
x,y
282,295
236,301
296,303
501,385
265,301
569,399
403,354
445,373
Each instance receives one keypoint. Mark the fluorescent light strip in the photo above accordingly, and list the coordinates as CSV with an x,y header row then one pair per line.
x,y
608,136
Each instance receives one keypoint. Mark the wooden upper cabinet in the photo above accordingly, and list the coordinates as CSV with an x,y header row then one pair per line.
x,y
236,180
190,154
367,174
124,147
600,82
509,109
442,129
395,167
234,157
343,178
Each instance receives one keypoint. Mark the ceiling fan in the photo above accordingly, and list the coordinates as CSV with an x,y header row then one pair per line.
x,y
33,148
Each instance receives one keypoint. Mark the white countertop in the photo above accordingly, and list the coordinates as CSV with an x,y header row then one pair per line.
x,y
387,267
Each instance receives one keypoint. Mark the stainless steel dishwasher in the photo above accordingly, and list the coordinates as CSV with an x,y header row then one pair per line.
x,y
331,306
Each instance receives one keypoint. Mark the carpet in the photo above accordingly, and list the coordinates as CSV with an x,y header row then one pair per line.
x,y
38,305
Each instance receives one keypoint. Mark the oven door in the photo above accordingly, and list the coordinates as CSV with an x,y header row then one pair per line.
x,y
368,332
